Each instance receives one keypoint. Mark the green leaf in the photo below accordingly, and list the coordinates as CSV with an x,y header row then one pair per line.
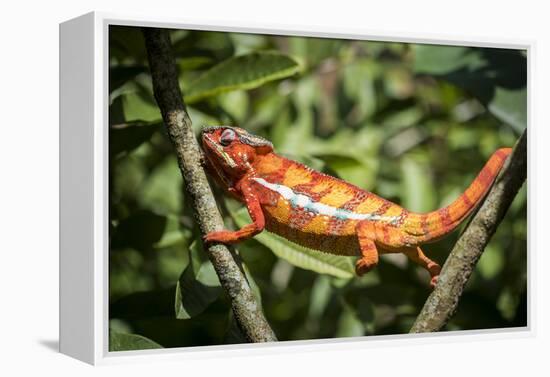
x,y
359,86
245,43
240,73
299,256
193,62
312,51
497,77
399,120
360,172
290,136
441,60
139,107
137,101
510,106
198,285
174,233
491,262
162,191
320,297
129,342
418,188
235,104
349,324
215,46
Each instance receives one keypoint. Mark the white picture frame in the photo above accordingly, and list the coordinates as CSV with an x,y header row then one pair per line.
x,y
84,193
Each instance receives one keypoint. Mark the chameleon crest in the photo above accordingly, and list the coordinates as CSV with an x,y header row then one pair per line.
x,y
325,213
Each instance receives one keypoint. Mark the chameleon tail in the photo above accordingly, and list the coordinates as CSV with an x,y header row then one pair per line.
x,y
434,225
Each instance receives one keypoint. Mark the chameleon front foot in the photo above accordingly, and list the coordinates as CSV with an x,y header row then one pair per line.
x,y
231,237
222,236
369,256
433,281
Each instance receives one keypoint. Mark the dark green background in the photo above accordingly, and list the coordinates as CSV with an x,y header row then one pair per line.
x,y
412,123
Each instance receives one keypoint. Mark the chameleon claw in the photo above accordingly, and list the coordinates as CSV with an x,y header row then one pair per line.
x,y
434,270
211,237
433,281
361,267
222,236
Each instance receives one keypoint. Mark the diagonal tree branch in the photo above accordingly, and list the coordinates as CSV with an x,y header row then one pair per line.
x,y
443,301
246,309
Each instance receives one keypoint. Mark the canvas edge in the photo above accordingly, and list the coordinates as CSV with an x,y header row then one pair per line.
x,y
76,175
101,354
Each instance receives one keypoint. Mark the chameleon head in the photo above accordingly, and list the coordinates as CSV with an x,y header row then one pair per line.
x,y
230,151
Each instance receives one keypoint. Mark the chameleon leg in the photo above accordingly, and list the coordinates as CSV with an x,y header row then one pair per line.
x,y
247,231
367,247
416,255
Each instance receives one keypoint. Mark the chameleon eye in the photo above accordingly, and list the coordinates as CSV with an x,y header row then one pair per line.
x,y
227,137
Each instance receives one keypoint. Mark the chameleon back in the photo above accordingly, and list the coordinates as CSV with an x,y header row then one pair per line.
x,y
316,210
322,212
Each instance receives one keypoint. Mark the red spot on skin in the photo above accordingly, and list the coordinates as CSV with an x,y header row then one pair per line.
x,y
383,208
306,189
445,217
484,178
299,218
467,202
358,198
335,225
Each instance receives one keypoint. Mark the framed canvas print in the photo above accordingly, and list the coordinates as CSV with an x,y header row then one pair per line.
x,y
223,186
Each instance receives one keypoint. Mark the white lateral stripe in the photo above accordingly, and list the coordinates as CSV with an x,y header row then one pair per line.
x,y
304,201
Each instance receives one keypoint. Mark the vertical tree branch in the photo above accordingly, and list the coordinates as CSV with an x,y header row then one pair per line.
x,y
443,301
246,309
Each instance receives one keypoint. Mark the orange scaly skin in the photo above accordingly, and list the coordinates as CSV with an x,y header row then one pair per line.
x,y
325,213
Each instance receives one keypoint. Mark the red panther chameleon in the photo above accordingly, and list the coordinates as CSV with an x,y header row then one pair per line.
x,y
324,213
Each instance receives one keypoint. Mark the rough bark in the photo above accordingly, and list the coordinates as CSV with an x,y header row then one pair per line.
x,y
246,309
442,303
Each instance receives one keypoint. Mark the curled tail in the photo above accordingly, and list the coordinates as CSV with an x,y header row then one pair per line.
x,y
434,225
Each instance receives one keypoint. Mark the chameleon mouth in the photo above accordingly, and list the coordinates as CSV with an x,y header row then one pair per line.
x,y
219,150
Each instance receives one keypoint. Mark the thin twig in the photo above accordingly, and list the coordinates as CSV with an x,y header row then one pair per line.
x,y
246,309
442,303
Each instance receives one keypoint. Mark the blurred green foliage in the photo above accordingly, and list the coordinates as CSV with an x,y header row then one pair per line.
x,y
412,123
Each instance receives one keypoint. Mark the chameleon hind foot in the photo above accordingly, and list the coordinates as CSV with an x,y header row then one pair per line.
x,y
417,256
